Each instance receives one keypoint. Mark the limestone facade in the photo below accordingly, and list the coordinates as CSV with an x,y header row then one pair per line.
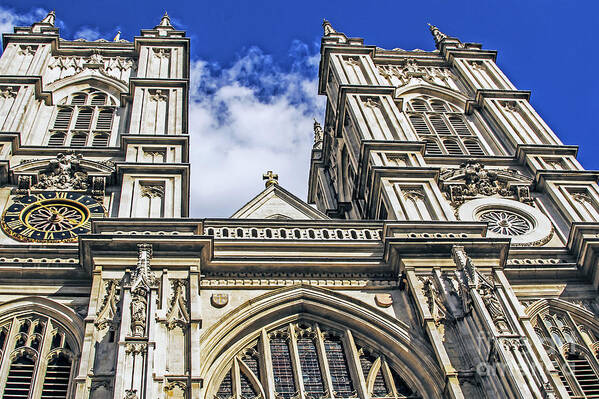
x,y
449,251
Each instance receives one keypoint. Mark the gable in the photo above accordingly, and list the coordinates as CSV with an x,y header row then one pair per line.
x,y
277,203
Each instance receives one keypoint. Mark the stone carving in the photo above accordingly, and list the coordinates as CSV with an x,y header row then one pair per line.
x,y
412,71
158,95
494,308
108,309
27,50
152,190
136,348
327,27
219,300
63,173
437,34
511,106
371,102
178,315
471,180
413,194
23,184
383,300
96,58
130,393
581,197
174,385
114,67
98,187
9,91
142,281
162,52
318,135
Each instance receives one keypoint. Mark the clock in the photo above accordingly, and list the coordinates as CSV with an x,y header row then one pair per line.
x,y
50,216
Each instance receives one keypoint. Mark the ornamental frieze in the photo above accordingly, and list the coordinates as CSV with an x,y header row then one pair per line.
x,y
472,180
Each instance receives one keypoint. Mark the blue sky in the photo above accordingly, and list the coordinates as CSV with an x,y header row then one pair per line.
x,y
254,66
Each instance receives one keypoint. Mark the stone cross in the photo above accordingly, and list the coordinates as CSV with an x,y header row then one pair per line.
x,y
271,178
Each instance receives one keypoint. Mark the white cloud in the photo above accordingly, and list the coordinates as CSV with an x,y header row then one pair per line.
x,y
87,33
10,18
247,119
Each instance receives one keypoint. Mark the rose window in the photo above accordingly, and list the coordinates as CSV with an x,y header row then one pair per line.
x,y
505,222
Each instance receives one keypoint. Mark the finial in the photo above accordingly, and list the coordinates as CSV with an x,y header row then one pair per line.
x,y
318,133
117,37
166,20
49,19
328,28
437,34
271,178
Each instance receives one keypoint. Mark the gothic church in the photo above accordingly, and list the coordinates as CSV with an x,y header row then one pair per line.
x,y
446,248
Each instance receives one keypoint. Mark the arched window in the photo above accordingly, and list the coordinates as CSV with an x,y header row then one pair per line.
x,y
100,140
571,352
437,118
81,114
39,354
307,360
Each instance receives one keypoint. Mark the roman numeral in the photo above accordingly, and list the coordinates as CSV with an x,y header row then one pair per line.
x,y
27,232
49,235
13,224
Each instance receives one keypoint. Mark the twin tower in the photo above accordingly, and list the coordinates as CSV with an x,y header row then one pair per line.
x,y
450,252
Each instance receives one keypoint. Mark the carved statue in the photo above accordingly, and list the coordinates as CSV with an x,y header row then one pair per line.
x,y
138,314
63,173
494,308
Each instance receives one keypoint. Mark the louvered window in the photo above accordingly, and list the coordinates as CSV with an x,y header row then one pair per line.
x,y
439,125
445,121
314,352
438,106
56,381
432,148
63,118
452,147
84,119
340,378
584,374
98,99
104,120
78,99
419,125
100,140
56,139
473,147
87,110
459,126
79,140
419,106
20,377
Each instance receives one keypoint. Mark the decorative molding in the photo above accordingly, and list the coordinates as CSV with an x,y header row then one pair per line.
x,y
472,180
9,91
63,173
178,315
162,52
158,95
133,349
27,50
152,190
108,310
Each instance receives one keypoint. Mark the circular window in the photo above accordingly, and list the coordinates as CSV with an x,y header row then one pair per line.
x,y
525,225
505,222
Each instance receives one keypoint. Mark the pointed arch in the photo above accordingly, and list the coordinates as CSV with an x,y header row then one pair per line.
x,y
451,96
87,79
408,353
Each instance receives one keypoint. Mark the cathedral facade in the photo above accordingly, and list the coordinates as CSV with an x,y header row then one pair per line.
x,y
445,250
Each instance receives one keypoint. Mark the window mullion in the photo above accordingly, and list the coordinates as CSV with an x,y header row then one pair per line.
x,y
266,371
8,349
388,377
295,360
353,362
42,361
236,379
324,365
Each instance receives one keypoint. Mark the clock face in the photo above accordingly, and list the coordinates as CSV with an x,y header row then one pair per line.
x,y
51,216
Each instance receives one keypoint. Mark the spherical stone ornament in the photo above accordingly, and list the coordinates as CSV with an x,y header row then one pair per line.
x,y
522,223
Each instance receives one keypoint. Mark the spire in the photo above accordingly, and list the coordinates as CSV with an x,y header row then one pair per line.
x,y
271,178
165,21
49,19
318,134
328,28
437,34
117,37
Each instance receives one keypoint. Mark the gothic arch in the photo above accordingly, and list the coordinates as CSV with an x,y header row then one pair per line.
x,y
238,328
86,79
449,95
577,312
47,307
